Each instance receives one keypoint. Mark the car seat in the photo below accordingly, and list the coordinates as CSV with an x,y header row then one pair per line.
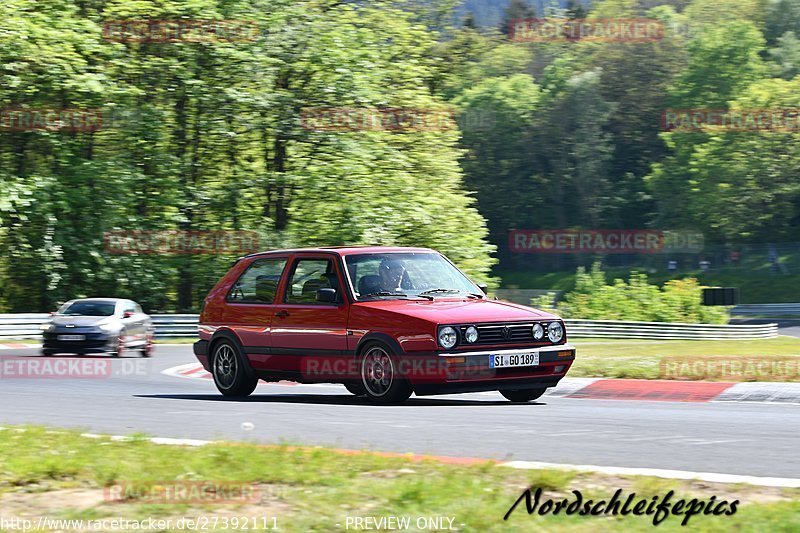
x,y
369,284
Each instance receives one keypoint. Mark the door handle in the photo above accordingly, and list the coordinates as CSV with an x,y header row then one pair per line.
x,y
282,314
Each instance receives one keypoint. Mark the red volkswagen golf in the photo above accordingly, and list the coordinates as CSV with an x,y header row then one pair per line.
x,y
385,322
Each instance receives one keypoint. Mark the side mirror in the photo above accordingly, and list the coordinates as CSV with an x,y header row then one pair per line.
x,y
326,295
127,314
484,288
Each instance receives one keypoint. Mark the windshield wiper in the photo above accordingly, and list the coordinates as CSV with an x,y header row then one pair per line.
x,y
438,291
384,293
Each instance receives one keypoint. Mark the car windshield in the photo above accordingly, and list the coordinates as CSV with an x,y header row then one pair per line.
x,y
395,275
88,309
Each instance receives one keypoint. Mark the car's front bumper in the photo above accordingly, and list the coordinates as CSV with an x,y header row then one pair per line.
x,y
471,371
92,343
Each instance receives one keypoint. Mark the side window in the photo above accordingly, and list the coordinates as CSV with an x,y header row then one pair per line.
x,y
308,276
259,283
129,306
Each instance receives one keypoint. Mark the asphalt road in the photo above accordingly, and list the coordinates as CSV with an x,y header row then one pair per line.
x,y
734,438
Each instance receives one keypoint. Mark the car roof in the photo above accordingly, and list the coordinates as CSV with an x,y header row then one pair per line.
x,y
347,250
99,300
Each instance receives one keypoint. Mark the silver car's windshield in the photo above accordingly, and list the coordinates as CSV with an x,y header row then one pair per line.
x,y
88,309
393,275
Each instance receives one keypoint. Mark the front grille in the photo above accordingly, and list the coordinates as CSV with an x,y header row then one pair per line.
x,y
504,334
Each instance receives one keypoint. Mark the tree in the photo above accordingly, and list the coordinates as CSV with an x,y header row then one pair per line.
x,y
723,62
516,10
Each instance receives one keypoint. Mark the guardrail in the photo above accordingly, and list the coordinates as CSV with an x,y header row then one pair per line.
x,y
28,326
668,330
767,310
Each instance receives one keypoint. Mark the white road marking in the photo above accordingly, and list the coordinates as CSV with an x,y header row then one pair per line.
x,y
710,477
665,437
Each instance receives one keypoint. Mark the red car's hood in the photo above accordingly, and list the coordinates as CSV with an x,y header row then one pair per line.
x,y
450,311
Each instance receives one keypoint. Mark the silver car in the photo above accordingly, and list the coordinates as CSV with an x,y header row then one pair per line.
x,y
99,325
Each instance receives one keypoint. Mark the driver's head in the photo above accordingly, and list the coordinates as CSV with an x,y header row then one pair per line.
x,y
391,272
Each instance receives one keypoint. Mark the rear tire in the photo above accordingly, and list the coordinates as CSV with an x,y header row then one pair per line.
x,y
380,378
523,395
48,353
230,374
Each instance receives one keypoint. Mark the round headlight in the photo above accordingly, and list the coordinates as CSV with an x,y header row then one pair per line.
x,y
448,336
555,331
538,332
471,335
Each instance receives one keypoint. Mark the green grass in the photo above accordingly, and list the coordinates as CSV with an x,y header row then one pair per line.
x,y
641,359
755,286
177,340
313,489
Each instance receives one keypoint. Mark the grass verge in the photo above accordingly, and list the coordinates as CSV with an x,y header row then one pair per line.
x,y
63,475
642,359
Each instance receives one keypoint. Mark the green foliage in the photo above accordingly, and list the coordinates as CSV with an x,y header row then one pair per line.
x,y
208,136
679,300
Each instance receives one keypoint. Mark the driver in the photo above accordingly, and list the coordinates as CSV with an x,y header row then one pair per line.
x,y
391,272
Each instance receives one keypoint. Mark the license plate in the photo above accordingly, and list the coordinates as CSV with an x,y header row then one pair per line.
x,y
72,337
516,359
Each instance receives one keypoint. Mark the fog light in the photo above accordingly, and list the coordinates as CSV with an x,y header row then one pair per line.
x,y
558,369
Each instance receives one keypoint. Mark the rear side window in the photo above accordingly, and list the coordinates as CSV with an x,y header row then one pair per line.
x,y
259,283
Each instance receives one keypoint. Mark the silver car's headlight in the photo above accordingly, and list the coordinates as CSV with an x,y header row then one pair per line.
x,y
48,327
448,337
555,332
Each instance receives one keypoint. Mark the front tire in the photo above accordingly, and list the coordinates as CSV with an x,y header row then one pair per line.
x,y
523,395
355,388
147,349
380,377
120,347
228,370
